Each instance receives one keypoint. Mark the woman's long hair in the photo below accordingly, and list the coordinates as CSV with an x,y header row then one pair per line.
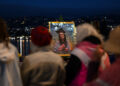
x,y
63,41
3,32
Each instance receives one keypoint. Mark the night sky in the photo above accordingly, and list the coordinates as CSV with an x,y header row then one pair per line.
x,y
10,8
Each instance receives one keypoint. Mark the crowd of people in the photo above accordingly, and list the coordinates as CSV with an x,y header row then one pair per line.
x,y
89,63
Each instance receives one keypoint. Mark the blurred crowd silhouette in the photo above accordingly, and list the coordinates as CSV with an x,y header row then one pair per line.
x,y
94,61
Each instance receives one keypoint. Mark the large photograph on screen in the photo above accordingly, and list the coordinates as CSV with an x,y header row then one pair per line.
x,y
64,37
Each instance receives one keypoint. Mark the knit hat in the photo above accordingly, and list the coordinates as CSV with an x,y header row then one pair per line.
x,y
113,43
85,30
40,36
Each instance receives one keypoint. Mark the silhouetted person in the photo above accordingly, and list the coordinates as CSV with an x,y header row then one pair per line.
x,y
110,76
87,41
42,67
9,69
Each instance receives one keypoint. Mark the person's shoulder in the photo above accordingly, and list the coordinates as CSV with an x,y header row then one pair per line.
x,y
53,55
13,48
43,55
32,58
112,71
32,55
56,59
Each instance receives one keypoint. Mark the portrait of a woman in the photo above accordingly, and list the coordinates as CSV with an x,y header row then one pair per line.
x,y
62,45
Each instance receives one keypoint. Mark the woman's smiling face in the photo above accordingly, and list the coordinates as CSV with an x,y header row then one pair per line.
x,y
62,35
